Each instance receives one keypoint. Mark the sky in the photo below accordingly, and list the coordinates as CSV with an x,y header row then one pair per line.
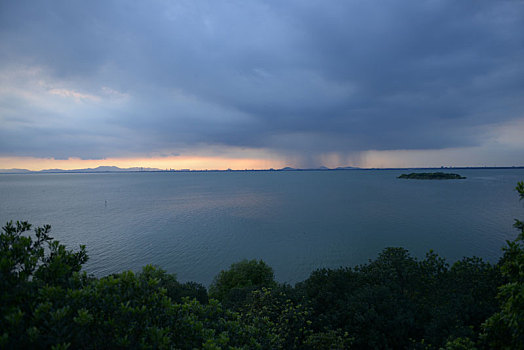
x,y
259,84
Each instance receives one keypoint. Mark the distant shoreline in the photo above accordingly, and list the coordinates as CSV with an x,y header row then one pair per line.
x,y
135,170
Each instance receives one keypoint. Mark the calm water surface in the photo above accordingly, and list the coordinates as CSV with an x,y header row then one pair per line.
x,y
195,224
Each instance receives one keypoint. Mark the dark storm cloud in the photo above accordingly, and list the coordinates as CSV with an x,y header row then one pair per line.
x,y
338,76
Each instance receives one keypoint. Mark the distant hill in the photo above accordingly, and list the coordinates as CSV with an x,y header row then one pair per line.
x,y
14,171
289,169
100,169
115,169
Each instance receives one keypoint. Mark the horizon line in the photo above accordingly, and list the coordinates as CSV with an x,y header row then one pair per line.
x,y
116,169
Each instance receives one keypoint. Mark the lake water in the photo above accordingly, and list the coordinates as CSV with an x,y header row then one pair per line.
x,y
195,224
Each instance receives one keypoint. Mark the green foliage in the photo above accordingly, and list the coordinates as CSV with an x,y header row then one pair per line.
x,y
329,339
505,329
27,265
48,303
234,286
460,344
396,300
23,258
519,225
175,290
278,312
272,310
134,310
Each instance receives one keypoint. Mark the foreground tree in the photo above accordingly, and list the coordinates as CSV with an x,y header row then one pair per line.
x,y
396,301
47,303
29,263
232,287
505,329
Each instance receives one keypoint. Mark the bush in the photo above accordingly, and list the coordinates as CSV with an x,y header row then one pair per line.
x,y
234,286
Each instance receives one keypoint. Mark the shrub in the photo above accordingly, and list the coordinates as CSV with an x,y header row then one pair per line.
x,y
234,286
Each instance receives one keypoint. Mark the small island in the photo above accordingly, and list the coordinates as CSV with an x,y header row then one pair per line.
x,y
432,176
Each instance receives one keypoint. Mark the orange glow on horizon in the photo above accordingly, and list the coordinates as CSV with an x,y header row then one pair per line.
x,y
175,163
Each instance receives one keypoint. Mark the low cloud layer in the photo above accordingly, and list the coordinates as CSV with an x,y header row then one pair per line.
x,y
299,79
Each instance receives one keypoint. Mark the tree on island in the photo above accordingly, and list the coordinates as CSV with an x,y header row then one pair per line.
x,y
431,176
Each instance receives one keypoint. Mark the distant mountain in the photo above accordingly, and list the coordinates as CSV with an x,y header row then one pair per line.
x,y
14,171
288,169
100,169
